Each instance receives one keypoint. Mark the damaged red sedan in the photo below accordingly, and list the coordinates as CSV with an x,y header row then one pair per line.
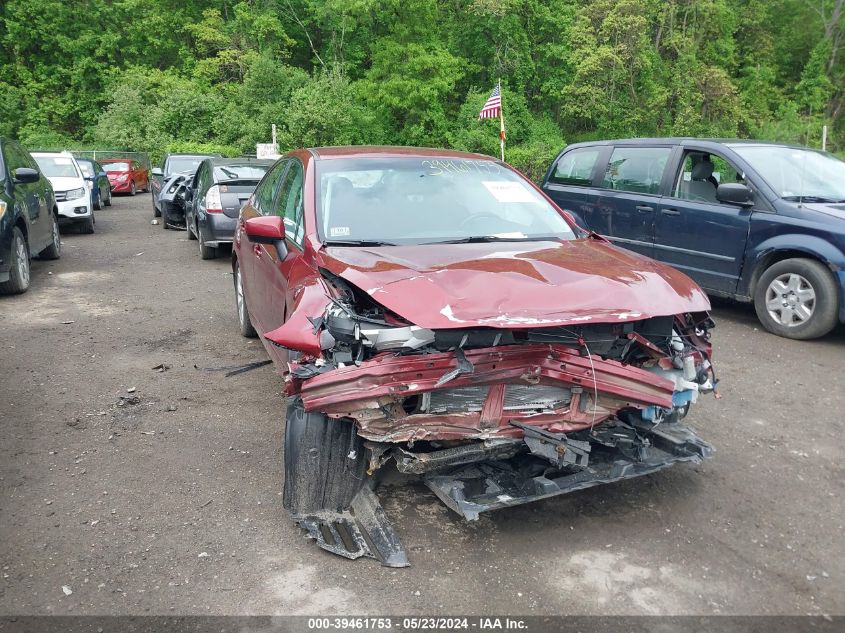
x,y
434,309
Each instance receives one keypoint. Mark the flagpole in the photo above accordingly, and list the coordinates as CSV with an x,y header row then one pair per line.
x,y
502,122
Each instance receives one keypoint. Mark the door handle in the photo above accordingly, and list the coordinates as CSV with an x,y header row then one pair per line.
x,y
644,208
670,212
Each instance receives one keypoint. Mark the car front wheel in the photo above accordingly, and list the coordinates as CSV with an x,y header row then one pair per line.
x,y
132,189
19,274
797,299
107,197
244,322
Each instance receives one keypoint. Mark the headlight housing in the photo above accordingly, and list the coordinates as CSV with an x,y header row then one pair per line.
x,y
73,194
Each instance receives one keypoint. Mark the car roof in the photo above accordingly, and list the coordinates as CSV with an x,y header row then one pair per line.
x,y
686,140
193,155
245,160
351,151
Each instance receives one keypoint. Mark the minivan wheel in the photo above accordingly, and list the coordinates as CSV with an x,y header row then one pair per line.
x,y
325,463
19,274
797,299
244,322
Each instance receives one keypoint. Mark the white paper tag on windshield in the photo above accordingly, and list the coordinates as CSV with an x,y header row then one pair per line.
x,y
508,191
339,231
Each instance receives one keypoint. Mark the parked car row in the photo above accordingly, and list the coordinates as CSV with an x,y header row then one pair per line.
x,y
41,190
204,194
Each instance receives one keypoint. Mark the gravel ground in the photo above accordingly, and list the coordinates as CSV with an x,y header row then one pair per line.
x,y
131,490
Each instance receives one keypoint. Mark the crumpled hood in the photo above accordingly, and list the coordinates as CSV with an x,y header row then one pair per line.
x,y
515,284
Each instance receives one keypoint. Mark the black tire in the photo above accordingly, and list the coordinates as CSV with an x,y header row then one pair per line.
x,y
811,275
156,211
87,226
108,197
244,322
206,252
319,472
132,190
99,202
188,227
19,274
54,251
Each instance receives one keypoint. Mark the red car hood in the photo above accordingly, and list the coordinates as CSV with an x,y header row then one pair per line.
x,y
515,284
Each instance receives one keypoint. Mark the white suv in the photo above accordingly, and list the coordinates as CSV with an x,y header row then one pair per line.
x,y
73,193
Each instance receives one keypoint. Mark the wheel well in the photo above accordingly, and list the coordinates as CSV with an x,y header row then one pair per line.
x,y
22,226
773,258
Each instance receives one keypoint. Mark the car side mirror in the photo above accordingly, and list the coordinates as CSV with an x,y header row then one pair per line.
x,y
265,230
24,175
735,193
157,171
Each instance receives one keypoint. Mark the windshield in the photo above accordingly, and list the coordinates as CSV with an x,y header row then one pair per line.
x,y
430,200
57,166
239,172
797,174
86,167
183,164
124,166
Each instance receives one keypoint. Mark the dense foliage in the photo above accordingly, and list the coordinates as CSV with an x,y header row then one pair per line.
x,y
153,75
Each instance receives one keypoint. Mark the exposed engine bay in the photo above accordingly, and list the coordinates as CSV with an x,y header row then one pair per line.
x,y
495,416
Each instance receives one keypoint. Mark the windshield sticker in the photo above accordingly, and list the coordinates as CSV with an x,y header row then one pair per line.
x,y
339,231
440,166
508,191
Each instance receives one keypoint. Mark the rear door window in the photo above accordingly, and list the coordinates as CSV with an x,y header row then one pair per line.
x,y
636,169
576,167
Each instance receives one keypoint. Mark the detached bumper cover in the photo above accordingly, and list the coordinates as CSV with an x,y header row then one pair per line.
x,y
471,490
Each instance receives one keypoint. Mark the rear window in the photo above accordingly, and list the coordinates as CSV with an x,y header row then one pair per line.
x,y
576,167
239,172
636,169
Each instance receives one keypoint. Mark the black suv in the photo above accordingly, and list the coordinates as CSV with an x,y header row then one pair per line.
x,y
753,221
28,217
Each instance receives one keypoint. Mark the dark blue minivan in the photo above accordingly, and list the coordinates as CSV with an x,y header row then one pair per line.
x,y
752,221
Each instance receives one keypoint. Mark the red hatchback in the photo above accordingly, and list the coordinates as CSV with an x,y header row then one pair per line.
x,y
126,175
435,309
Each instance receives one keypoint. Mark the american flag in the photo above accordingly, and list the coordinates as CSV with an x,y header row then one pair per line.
x,y
493,107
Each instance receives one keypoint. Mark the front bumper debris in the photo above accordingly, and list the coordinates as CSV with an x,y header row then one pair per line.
x,y
500,473
476,488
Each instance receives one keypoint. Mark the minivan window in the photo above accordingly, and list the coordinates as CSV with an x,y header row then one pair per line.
x,y
797,174
576,167
636,169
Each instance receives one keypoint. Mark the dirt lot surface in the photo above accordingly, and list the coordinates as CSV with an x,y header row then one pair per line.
x,y
172,505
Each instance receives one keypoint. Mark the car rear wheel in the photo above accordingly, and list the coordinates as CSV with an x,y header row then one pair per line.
x,y
206,252
244,322
797,299
19,274
325,463
55,249
132,189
